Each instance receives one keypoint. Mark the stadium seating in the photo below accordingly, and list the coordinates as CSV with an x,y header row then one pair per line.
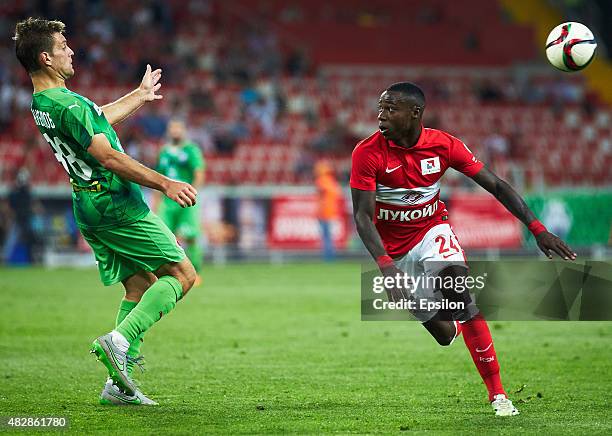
x,y
554,149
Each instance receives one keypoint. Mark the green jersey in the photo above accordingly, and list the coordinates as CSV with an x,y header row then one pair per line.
x,y
100,198
180,162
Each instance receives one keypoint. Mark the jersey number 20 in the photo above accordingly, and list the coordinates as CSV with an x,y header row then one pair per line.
x,y
68,159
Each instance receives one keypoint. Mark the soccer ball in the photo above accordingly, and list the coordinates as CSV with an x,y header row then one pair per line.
x,y
570,46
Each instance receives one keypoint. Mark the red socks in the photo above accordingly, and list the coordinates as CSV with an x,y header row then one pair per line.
x,y
478,340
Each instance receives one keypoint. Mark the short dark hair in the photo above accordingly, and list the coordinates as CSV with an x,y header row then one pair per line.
x,y
410,90
32,37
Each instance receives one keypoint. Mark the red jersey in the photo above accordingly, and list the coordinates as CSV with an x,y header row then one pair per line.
x,y
407,183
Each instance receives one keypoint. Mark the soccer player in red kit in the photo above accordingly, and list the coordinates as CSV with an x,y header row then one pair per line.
x,y
395,185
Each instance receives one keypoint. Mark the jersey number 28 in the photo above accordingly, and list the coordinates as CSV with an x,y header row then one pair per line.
x,y
68,159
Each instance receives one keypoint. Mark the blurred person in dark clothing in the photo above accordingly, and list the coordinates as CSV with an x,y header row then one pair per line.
x,y
20,203
6,220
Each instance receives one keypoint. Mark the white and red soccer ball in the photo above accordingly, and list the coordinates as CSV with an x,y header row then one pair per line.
x,y
570,46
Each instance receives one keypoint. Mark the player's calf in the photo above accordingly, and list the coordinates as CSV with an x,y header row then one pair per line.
x,y
159,300
137,284
444,325
444,332
466,309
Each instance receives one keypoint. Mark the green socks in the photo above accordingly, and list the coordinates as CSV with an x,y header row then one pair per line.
x,y
125,307
134,351
157,301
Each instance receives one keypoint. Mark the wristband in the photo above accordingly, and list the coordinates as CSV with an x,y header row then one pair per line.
x,y
384,261
536,227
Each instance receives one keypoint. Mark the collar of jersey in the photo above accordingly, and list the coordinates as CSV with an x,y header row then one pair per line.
x,y
50,89
418,143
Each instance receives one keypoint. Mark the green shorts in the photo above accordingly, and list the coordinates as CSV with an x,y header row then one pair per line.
x,y
121,252
183,221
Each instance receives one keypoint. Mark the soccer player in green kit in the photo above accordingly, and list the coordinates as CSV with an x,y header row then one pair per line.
x,y
182,160
131,244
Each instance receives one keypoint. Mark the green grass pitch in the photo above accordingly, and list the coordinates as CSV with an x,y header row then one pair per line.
x,y
264,349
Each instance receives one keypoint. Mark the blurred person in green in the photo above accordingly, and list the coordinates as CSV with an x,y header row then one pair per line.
x,y
182,159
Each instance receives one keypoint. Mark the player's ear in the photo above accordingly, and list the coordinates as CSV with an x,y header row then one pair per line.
x,y
44,58
417,111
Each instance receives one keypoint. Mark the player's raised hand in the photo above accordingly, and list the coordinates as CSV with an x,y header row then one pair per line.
x,y
182,193
549,243
150,84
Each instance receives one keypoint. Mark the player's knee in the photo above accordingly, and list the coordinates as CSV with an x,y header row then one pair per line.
x,y
183,271
187,276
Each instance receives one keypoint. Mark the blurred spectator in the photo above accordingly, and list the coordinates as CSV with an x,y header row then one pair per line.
x,y
565,91
531,93
132,146
22,242
225,142
239,129
304,165
263,113
557,217
488,92
303,104
298,63
249,95
329,194
6,222
328,140
518,149
153,121
201,99
471,42
497,150
336,138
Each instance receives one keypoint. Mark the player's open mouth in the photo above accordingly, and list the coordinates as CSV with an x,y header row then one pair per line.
x,y
383,129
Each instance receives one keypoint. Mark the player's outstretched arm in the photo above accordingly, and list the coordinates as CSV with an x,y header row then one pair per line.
x,y
506,195
119,110
129,169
